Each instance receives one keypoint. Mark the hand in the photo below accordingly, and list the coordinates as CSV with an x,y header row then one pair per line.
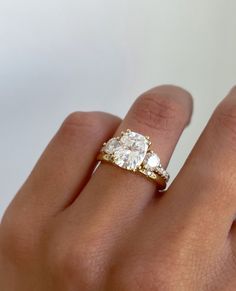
x,y
67,230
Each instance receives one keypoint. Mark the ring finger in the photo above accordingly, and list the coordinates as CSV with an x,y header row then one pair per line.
x,y
161,113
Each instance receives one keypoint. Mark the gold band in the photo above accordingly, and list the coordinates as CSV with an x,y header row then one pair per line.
x,y
160,181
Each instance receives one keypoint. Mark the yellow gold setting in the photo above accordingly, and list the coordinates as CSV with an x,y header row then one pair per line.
x,y
131,151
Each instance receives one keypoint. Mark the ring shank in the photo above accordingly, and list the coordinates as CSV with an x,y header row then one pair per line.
x,y
160,181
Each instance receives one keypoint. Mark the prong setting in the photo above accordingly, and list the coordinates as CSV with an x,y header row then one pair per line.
x,y
132,152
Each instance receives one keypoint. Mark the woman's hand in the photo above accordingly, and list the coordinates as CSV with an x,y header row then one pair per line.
x,y
69,230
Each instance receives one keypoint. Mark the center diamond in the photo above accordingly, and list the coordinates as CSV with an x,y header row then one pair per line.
x,y
132,150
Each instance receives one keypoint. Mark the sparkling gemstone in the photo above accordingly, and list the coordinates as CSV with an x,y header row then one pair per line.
x,y
111,146
151,161
132,150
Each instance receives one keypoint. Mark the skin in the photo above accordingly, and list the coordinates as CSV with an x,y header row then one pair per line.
x,y
67,229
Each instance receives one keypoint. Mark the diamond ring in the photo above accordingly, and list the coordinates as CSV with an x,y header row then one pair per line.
x,y
131,151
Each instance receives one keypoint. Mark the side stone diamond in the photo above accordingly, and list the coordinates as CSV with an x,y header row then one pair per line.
x,y
151,161
111,146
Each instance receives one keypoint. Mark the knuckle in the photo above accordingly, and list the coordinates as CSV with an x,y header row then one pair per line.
x,y
80,124
170,265
159,110
77,264
142,275
17,239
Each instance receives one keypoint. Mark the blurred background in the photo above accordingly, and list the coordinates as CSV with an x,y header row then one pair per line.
x,y
59,56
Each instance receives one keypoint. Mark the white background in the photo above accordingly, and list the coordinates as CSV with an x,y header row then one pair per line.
x,y
58,56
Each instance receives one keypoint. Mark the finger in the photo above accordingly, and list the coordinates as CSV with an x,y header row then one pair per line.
x,y
161,113
203,196
66,165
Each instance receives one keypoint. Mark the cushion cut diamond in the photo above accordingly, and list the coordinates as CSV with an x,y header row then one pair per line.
x,y
132,150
